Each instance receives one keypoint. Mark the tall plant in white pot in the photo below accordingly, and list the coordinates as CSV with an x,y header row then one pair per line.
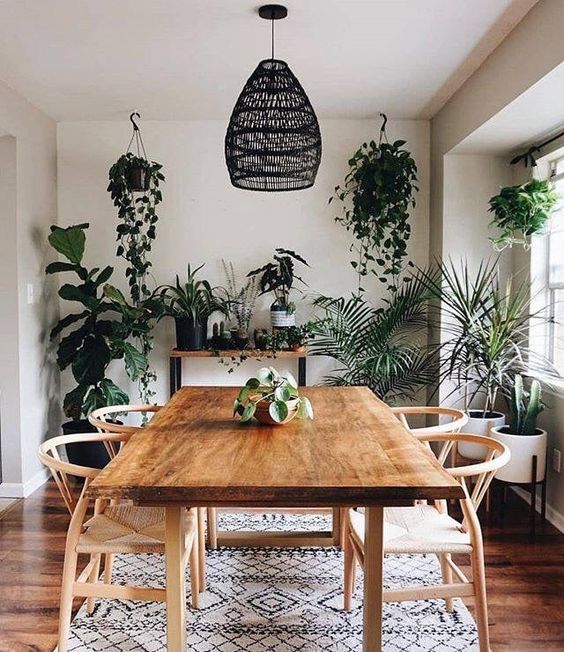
x,y
522,436
486,329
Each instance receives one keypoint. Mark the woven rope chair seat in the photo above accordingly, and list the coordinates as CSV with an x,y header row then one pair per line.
x,y
128,528
418,529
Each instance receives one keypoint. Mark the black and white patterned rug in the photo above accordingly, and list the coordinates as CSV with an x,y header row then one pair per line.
x,y
275,600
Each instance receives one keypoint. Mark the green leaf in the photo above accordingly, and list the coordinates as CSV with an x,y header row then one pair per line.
x,y
248,412
91,361
265,376
282,394
236,405
69,242
104,276
243,394
70,345
292,382
135,362
73,401
67,321
278,410
253,383
78,293
113,395
53,268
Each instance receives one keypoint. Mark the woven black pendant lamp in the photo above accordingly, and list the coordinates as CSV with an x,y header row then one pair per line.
x,y
273,142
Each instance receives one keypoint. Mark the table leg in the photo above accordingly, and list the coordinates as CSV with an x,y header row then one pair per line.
x,y
373,577
302,380
178,373
175,580
172,376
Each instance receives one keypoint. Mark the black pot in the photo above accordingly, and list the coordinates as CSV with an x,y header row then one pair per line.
x,y
190,335
87,453
138,179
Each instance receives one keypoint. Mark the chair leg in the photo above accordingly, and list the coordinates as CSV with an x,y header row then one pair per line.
x,y
195,572
446,572
65,609
94,576
349,573
480,598
212,528
201,549
108,565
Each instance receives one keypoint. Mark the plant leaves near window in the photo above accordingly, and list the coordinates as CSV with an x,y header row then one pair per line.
x,y
521,212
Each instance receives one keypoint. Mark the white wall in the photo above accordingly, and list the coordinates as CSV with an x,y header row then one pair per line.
x,y
32,382
203,218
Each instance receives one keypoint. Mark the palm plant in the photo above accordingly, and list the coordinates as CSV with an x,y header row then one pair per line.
x,y
487,329
382,348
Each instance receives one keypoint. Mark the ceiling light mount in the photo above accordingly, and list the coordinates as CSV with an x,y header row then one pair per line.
x,y
273,12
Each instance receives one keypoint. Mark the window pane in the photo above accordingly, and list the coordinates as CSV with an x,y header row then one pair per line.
x,y
558,342
556,243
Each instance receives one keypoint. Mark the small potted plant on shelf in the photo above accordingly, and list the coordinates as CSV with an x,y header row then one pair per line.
x,y
298,336
191,303
241,304
520,212
521,435
272,399
93,336
278,277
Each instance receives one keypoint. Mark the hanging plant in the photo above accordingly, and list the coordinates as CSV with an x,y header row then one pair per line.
x,y
521,212
134,188
377,195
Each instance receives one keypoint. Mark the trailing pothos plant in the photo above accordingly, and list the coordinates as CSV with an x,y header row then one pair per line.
x,y
98,332
521,212
378,192
136,232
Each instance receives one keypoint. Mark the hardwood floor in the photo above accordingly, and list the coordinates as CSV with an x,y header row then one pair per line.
x,y
525,579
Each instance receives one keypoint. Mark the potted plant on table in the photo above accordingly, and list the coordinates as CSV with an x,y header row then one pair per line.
x,y
486,330
93,337
191,303
522,436
272,398
278,277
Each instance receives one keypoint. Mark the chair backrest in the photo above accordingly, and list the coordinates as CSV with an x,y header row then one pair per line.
x,y
101,418
456,418
482,472
61,471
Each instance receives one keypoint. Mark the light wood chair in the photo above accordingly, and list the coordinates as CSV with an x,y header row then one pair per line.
x,y
456,418
113,528
428,529
103,420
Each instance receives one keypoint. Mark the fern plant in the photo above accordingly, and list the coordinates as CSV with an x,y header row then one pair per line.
x,y
382,348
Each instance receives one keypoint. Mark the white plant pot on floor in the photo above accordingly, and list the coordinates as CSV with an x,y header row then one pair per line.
x,y
479,425
520,467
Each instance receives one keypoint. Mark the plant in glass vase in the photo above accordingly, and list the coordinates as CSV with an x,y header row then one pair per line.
x,y
279,277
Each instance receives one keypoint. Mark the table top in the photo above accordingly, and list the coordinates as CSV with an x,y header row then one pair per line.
x,y
236,353
355,452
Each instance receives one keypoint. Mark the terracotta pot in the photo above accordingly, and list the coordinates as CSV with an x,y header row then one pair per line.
x,y
262,414
298,348
520,467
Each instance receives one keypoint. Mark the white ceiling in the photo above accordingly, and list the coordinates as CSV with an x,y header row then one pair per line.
x,y
188,59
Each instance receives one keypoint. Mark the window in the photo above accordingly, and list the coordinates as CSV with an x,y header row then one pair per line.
x,y
555,271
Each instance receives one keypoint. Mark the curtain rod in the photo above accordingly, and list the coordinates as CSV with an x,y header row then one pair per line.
x,y
529,155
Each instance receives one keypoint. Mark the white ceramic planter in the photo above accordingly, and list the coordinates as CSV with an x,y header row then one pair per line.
x,y
282,319
478,425
523,447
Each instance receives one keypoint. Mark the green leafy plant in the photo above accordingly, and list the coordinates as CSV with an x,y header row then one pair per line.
x,y
525,407
301,335
136,232
486,329
240,299
521,212
93,335
194,299
279,276
383,348
377,195
279,391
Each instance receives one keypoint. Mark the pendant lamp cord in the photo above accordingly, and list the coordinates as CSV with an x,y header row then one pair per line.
x,y
272,36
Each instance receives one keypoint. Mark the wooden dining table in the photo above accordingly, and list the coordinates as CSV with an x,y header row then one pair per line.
x,y
354,453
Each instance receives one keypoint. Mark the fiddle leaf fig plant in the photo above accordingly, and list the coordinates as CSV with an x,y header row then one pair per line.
x,y
520,212
97,332
377,195
277,390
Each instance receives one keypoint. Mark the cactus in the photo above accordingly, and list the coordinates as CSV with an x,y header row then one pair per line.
x,y
524,407
534,408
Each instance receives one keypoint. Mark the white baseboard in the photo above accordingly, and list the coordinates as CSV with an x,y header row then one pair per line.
x,y
24,489
552,516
